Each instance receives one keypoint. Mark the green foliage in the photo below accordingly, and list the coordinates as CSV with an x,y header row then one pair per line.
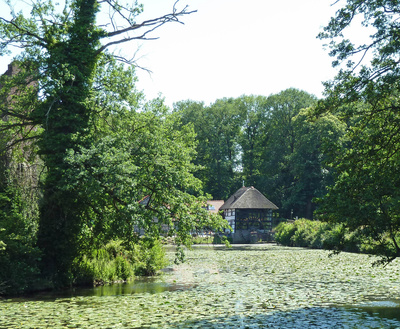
x,y
114,262
222,239
313,234
108,264
284,232
136,176
203,239
149,257
19,257
278,178
365,196
63,59
217,129
308,161
322,235
269,142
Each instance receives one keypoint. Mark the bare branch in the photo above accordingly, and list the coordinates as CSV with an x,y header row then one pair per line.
x,y
150,25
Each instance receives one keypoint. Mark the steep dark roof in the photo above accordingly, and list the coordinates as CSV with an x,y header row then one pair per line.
x,y
248,198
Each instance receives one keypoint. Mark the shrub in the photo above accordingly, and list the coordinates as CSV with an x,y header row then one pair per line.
x,y
284,232
331,236
107,264
222,239
334,237
114,262
149,257
318,235
19,267
203,239
123,268
312,234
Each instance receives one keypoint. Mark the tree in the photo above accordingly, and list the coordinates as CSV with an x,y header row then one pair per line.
x,y
136,174
19,178
277,176
308,162
63,51
365,196
267,142
253,136
217,128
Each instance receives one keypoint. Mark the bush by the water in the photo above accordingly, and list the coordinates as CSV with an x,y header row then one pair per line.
x,y
316,234
114,262
149,257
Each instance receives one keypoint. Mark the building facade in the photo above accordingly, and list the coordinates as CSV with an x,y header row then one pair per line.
x,y
249,214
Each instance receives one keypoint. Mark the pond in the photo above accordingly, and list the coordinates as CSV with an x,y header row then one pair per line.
x,y
255,286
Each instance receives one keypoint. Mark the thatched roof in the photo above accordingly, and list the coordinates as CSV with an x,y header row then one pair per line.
x,y
248,198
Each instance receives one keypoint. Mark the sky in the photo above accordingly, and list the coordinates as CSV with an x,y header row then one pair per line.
x,y
230,48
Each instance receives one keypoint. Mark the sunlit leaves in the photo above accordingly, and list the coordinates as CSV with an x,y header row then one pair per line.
x,y
365,96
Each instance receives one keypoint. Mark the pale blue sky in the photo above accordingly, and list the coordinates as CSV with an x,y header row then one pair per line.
x,y
233,47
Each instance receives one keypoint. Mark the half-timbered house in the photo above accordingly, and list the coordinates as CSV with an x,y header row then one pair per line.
x,y
249,213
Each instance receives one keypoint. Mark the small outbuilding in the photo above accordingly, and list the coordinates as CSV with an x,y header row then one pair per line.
x,y
249,213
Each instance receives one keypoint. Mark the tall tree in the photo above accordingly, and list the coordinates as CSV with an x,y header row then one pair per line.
x,y
312,175
217,127
365,197
136,174
19,179
62,49
254,135
277,173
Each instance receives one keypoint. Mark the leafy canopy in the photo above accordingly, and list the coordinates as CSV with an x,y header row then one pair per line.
x,y
101,156
365,96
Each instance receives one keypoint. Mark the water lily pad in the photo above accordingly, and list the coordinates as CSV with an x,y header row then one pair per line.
x,y
261,286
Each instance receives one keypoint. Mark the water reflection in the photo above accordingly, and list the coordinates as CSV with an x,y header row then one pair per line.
x,y
389,309
143,285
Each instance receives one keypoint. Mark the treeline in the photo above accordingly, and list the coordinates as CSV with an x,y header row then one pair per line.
x,y
335,160
269,142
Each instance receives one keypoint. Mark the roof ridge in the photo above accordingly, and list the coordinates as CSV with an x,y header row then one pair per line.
x,y
247,188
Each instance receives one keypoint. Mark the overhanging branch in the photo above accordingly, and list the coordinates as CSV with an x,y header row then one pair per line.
x,y
150,25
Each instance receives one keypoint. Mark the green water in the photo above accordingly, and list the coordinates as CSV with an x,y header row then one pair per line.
x,y
152,285
258,286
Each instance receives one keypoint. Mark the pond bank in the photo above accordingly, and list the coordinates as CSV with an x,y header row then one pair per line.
x,y
255,286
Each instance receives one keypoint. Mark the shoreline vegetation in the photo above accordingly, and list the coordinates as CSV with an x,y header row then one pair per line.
x,y
114,263
334,237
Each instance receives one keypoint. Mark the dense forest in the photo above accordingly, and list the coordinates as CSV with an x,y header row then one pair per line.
x,y
263,141
93,174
